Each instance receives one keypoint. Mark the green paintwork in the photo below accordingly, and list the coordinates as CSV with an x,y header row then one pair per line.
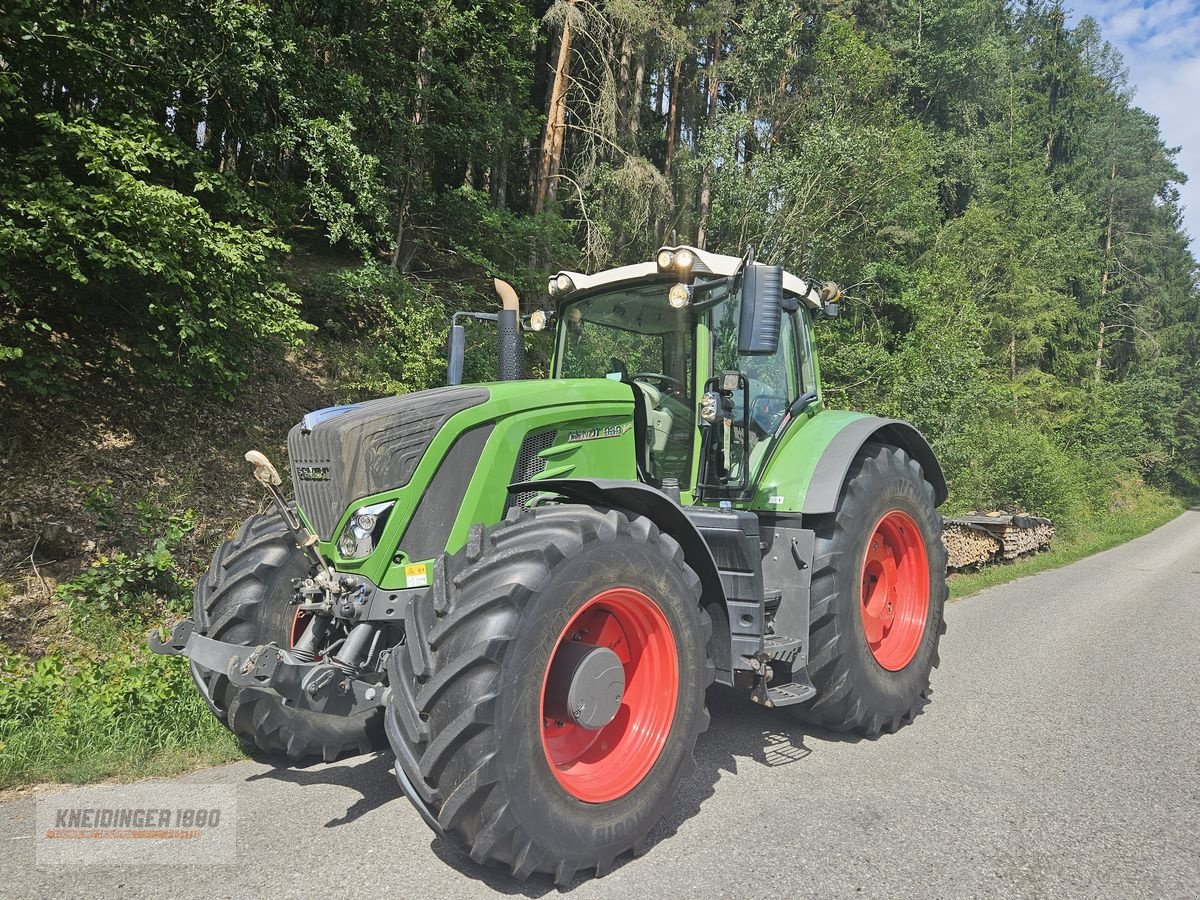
x,y
790,467
516,408
594,438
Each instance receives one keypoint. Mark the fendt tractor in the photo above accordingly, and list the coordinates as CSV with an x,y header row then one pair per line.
x,y
529,585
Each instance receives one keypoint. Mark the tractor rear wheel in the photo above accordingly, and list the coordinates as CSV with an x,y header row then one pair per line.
x,y
878,594
244,598
550,691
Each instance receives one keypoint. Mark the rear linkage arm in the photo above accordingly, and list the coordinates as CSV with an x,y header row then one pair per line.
x,y
320,687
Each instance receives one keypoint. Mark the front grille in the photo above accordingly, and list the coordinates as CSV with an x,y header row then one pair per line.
x,y
529,464
368,448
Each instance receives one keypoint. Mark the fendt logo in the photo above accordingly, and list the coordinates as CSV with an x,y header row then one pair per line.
x,y
312,473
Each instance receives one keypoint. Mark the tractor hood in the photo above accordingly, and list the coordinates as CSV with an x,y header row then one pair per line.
x,y
343,453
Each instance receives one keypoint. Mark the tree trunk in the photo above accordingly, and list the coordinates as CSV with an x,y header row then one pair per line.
x,y
673,116
706,176
1108,242
623,71
635,100
556,118
498,179
402,255
185,117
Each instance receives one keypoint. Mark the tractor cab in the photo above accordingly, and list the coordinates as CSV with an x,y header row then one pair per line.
x,y
718,349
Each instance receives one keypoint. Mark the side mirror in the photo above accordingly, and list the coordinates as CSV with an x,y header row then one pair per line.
x,y
762,310
456,352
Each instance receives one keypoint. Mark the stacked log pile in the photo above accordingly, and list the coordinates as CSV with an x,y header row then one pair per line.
x,y
969,546
973,541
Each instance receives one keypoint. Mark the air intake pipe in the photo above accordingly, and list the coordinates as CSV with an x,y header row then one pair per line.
x,y
511,356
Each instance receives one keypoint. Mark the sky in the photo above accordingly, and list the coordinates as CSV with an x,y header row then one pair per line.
x,y
1160,40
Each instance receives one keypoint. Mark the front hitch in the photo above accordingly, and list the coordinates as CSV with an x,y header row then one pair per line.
x,y
317,686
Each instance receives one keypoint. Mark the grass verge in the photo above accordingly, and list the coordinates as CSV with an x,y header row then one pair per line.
x,y
88,749
91,702
1145,510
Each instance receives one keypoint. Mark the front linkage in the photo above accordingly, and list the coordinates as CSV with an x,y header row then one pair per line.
x,y
317,686
298,674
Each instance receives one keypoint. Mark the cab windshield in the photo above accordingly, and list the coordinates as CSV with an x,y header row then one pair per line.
x,y
633,334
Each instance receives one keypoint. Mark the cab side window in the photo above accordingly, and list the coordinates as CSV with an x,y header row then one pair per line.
x,y
804,347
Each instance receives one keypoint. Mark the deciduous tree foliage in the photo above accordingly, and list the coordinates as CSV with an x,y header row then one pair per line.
x,y
1004,219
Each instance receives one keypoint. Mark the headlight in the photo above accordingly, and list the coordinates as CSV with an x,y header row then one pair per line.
x,y
564,283
684,260
552,287
362,532
537,320
664,260
679,296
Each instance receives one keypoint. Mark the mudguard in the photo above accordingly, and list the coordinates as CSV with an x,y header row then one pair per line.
x,y
834,464
646,501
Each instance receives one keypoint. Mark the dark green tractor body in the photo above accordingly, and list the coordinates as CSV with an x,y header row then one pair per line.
x,y
532,583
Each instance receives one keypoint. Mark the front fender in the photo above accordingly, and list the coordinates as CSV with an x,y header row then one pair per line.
x,y
645,501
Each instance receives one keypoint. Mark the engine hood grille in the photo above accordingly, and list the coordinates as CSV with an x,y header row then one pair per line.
x,y
344,453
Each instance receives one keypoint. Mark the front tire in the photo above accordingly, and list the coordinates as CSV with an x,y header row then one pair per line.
x,y
472,716
243,598
878,594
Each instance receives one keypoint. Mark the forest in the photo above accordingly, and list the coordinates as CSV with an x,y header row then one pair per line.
x,y
208,208
1003,217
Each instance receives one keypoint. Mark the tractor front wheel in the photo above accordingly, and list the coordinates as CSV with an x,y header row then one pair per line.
x,y
551,689
244,598
878,593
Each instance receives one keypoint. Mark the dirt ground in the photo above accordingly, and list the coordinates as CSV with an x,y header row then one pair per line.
x,y
78,475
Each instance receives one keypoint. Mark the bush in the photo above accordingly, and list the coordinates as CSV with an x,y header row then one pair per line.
x,y
391,331
120,249
1009,466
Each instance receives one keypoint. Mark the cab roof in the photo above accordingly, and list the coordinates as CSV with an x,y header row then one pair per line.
x,y
706,264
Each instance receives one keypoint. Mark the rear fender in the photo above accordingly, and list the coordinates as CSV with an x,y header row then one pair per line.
x,y
830,474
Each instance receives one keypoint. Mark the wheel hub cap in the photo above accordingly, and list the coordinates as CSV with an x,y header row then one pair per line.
x,y
586,685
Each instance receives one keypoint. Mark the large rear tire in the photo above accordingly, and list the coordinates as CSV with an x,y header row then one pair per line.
x,y
878,595
244,599
471,716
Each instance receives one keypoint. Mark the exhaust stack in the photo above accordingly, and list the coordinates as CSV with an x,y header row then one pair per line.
x,y
511,356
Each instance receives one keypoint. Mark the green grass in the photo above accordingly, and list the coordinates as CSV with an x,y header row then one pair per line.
x,y
87,749
1146,510
85,700
124,716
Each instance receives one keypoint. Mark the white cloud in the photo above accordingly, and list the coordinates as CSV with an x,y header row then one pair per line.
x,y
1160,40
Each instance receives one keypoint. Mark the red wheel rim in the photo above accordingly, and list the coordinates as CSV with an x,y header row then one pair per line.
x,y
895,590
602,765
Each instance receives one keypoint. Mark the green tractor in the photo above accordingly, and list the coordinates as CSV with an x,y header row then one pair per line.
x,y
529,585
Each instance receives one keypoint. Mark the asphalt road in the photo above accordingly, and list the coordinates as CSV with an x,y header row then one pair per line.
x,y
1059,758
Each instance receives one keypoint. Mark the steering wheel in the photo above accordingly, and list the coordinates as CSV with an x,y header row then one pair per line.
x,y
675,383
766,410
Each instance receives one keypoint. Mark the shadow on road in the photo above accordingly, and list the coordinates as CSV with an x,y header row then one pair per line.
x,y
373,779
740,734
